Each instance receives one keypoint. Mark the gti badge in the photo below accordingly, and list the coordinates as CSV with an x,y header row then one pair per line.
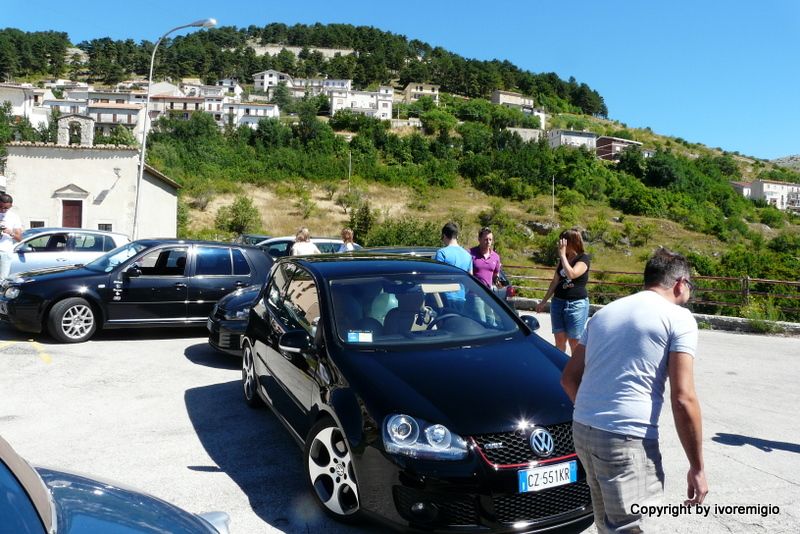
x,y
542,442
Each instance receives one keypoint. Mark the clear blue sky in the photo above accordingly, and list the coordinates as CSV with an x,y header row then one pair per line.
x,y
723,73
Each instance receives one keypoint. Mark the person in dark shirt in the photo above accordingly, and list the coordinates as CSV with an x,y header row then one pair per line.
x,y
569,309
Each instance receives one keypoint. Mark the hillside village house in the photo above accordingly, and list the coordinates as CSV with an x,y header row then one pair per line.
x,y
416,90
84,186
26,101
521,102
782,195
572,138
246,114
373,104
610,148
267,80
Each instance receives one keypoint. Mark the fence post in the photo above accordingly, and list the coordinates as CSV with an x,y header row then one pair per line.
x,y
745,290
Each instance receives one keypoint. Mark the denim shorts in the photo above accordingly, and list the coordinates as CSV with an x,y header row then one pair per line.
x,y
569,316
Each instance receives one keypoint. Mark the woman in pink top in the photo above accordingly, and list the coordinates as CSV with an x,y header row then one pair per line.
x,y
485,261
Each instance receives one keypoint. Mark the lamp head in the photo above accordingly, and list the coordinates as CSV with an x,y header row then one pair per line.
x,y
204,23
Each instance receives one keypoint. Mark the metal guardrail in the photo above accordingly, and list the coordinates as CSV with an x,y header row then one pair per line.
x,y
714,295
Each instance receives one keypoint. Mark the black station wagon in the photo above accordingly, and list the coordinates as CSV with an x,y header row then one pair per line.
x,y
144,283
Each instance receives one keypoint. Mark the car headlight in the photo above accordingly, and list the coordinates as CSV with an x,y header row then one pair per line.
x,y
406,435
11,292
238,314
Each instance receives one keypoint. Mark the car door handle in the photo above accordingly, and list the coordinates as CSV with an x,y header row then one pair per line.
x,y
238,284
61,259
180,285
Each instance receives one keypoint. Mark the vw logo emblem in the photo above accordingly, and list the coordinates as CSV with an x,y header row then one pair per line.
x,y
542,442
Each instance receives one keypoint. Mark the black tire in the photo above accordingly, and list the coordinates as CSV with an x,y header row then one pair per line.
x,y
249,379
330,472
72,320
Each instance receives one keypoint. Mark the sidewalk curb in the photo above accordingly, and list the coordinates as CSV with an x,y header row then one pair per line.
x,y
716,322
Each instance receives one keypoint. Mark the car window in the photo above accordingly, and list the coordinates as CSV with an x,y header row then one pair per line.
x,y
417,309
16,509
88,242
213,261
48,243
276,291
108,262
164,262
302,302
278,250
328,248
240,265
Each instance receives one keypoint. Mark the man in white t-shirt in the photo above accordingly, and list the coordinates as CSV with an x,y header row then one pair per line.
x,y
10,233
616,378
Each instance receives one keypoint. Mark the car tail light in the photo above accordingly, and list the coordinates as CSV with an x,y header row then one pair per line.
x,y
511,291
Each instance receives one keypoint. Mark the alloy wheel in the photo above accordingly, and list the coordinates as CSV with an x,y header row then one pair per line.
x,y
77,321
330,469
249,376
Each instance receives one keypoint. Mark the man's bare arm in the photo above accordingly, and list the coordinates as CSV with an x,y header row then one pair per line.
x,y
688,422
573,373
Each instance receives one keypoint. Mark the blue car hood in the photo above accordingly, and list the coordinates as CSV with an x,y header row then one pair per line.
x,y
472,390
88,506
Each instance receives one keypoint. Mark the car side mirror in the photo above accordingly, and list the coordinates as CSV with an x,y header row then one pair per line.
x,y
531,321
295,341
133,271
22,249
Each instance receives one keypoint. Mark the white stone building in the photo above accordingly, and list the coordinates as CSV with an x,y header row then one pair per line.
x,y
247,113
416,90
572,138
376,104
96,185
782,195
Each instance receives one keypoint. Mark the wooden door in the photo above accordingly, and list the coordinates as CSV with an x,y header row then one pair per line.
x,y
71,213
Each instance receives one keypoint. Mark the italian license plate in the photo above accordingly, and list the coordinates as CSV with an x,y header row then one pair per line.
x,y
3,308
548,476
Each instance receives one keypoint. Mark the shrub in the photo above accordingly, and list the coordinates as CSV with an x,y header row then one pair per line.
x,y
361,222
350,200
305,205
761,314
404,232
240,217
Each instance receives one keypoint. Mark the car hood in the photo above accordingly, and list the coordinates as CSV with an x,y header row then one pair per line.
x,y
55,273
471,390
84,505
239,299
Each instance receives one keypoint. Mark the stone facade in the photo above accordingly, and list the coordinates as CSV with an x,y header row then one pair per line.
x,y
82,123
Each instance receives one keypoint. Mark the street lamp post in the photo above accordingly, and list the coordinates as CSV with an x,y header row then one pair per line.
x,y
204,23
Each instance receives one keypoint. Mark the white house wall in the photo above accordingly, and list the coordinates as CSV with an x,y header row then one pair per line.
x,y
108,175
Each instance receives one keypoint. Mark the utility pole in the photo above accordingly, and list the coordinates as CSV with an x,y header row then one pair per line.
x,y
349,168
554,197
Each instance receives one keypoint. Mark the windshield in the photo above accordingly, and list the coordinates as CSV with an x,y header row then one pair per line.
x,y
108,262
416,309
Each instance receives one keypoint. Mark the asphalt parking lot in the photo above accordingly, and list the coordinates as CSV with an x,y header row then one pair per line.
x,y
160,411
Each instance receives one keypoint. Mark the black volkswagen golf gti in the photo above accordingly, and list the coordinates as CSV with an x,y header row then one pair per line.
x,y
416,395
144,283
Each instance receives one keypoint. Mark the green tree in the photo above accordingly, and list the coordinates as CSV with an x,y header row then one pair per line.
x,y
240,217
437,121
281,96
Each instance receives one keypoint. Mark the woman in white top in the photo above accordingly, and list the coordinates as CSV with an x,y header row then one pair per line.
x,y
347,241
302,243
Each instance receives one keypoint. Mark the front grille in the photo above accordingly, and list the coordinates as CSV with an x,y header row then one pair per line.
x,y
540,505
516,448
454,510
